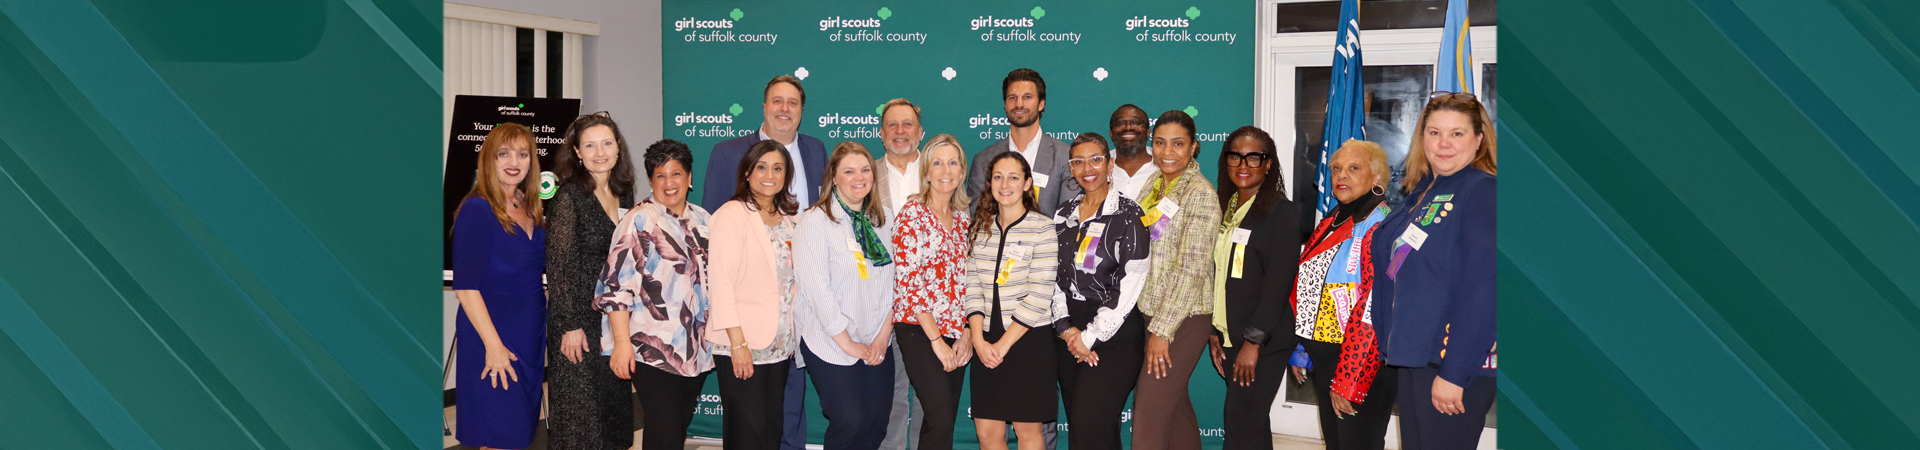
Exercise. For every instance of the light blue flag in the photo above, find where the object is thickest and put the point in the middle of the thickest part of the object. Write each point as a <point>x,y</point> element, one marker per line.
<point>1346,113</point>
<point>1455,70</point>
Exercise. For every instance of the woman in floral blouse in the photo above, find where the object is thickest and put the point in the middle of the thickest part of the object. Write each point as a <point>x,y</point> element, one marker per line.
<point>930,245</point>
<point>653,291</point>
<point>1103,267</point>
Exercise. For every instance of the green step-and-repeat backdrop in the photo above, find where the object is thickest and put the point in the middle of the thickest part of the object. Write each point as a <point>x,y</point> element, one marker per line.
<point>949,58</point>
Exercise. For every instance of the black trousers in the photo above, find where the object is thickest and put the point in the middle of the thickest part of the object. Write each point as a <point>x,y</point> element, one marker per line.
<point>1246,407</point>
<point>754,407</point>
<point>1365,430</point>
<point>668,401</point>
<point>1425,428</point>
<point>937,389</point>
<point>1096,395</point>
<point>856,400</point>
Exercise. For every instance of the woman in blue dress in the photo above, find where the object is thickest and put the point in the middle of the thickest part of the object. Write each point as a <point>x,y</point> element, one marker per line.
<point>499,251</point>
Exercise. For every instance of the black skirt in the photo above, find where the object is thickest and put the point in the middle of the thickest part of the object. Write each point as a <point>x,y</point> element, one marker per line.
<point>1022,388</point>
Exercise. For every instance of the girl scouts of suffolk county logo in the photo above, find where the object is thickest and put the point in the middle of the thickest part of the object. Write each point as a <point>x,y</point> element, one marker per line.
<point>720,30</point>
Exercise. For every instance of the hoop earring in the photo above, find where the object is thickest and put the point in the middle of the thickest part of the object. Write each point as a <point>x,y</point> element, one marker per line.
<point>1378,190</point>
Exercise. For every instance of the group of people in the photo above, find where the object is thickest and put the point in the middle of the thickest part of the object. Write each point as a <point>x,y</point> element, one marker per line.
<point>1040,271</point>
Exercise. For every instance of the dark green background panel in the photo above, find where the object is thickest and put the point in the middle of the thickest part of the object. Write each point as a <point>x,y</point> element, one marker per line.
<point>215,233</point>
<point>1708,224</point>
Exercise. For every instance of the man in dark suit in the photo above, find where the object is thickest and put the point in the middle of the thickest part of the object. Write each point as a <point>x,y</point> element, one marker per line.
<point>782,103</point>
<point>1025,97</point>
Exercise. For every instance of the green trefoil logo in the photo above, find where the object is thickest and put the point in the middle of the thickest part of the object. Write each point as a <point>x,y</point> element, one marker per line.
<point>885,13</point>
<point>735,109</point>
<point>736,14</point>
<point>1191,112</point>
<point>1038,12</point>
<point>1193,12</point>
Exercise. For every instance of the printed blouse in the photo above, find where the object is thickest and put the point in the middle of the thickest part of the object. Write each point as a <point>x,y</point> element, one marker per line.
<point>1103,267</point>
<point>657,271</point>
<point>932,258</point>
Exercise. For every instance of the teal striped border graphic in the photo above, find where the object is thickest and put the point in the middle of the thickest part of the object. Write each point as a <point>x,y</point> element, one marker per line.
<point>218,224</point>
<point>1708,224</point>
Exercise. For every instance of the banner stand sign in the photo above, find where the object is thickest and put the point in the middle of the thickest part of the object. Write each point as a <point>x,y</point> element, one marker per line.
<point>473,117</point>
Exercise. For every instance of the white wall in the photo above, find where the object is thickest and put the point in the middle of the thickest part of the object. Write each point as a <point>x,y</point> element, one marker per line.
<point>622,63</point>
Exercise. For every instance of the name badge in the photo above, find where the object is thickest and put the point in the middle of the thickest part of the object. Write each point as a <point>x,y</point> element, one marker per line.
<point>1241,235</point>
<point>859,257</point>
<point>1006,267</point>
<point>1414,236</point>
<point>1040,180</point>
<point>1091,240</point>
<point>1167,208</point>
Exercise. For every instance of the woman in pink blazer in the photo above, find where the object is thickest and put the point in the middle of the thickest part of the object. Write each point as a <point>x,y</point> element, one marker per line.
<point>751,287</point>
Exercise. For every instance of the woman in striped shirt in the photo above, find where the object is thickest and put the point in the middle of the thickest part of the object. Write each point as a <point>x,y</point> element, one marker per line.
<point>1009,291</point>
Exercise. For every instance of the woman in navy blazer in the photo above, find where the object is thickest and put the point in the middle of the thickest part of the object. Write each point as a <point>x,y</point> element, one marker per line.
<point>1434,277</point>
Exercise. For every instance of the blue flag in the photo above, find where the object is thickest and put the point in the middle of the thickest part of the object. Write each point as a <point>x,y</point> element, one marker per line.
<point>1455,69</point>
<point>1346,113</point>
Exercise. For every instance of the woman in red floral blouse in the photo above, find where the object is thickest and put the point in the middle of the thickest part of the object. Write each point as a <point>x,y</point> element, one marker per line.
<point>930,248</point>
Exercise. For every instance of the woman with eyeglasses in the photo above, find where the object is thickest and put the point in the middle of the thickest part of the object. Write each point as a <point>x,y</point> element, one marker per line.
<point>845,273</point>
<point>1103,267</point>
<point>931,249</point>
<point>1434,285</point>
<point>1182,219</point>
<point>1332,299</point>
<point>654,294</point>
<point>1254,253</point>
<point>589,409</point>
<point>499,250</point>
<point>751,324</point>
<point>1009,294</point>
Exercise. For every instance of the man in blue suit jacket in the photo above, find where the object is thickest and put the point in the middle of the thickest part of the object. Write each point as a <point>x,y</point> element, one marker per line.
<point>782,105</point>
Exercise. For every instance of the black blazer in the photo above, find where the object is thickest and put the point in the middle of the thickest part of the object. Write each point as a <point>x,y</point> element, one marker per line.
<point>718,185</point>
<point>1259,309</point>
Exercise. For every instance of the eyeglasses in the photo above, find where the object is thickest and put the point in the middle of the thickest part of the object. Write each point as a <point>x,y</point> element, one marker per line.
<point>1096,160</point>
<point>1250,159</point>
<point>1442,94</point>
<point>1129,122</point>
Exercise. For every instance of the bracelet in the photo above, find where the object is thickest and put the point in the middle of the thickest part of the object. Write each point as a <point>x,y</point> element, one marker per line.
<point>741,346</point>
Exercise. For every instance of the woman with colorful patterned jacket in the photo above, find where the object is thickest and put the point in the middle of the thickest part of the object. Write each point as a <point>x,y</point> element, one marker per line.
<point>1333,301</point>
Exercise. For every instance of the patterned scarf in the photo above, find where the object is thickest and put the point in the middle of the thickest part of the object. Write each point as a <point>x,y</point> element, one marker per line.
<point>863,231</point>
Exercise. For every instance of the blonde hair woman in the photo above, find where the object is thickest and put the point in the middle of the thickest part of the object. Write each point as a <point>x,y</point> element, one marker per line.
<point>930,246</point>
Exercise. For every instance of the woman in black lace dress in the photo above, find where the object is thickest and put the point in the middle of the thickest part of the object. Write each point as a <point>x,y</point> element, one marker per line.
<point>588,408</point>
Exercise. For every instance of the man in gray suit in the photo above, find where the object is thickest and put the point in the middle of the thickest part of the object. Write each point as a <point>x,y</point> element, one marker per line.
<point>1025,94</point>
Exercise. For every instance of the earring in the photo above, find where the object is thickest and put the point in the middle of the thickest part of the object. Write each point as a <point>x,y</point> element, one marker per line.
<point>1378,190</point>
